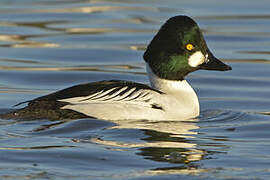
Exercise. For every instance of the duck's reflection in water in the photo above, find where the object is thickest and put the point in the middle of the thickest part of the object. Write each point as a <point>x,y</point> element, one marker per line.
<point>163,141</point>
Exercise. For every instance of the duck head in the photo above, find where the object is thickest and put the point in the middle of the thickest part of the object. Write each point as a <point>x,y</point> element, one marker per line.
<point>178,49</point>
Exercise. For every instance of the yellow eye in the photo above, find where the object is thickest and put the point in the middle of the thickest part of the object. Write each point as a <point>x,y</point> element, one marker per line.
<point>189,47</point>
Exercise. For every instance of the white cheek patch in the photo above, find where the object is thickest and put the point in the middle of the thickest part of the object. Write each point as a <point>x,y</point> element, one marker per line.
<point>196,59</point>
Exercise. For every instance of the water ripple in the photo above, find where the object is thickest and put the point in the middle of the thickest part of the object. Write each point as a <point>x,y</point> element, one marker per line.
<point>47,45</point>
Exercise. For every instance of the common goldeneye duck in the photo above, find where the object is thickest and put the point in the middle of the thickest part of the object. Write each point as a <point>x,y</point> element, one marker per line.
<point>176,50</point>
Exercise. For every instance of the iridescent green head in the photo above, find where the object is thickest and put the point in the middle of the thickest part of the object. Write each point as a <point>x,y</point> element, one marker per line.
<point>178,49</point>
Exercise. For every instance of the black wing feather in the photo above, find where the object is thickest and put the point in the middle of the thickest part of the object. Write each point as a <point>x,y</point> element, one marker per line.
<point>92,88</point>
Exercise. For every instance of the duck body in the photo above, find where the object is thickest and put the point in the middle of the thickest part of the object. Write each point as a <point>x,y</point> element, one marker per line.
<point>129,100</point>
<point>113,100</point>
<point>178,49</point>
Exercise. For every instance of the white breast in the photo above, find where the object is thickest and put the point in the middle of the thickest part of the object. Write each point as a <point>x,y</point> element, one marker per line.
<point>181,99</point>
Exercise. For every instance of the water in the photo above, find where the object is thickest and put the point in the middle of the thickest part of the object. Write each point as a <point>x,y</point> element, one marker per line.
<point>47,45</point>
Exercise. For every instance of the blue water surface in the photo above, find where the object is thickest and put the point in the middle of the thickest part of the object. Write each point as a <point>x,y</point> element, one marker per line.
<point>47,45</point>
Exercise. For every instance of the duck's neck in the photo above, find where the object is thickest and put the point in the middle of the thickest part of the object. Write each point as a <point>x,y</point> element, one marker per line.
<point>165,85</point>
<point>179,90</point>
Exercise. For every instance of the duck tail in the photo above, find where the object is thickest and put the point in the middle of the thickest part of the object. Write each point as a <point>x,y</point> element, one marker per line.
<point>15,114</point>
<point>43,110</point>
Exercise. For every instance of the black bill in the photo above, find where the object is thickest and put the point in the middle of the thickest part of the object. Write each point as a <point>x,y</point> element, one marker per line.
<point>212,63</point>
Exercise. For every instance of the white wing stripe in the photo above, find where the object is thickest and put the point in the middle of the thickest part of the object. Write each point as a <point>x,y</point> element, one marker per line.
<point>125,95</point>
<point>92,95</point>
<point>103,93</point>
<point>106,96</point>
<point>133,96</point>
<point>115,94</point>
